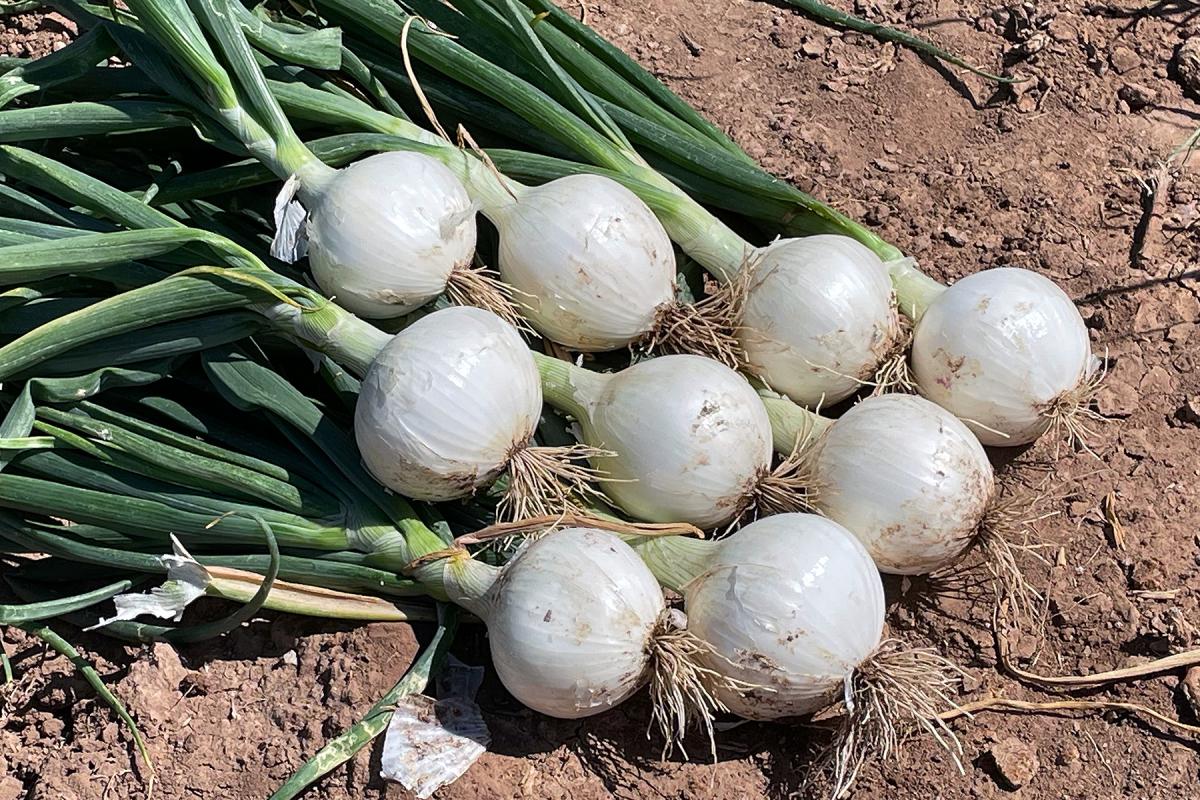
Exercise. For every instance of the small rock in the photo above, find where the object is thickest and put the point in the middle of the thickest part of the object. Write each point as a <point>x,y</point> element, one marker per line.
<point>1157,382</point>
<point>290,658</point>
<point>1137,96</point>
<point>1123,59</point>
<point>1135,444</point>
<point>11,788</point>
<point>1180,333</point>
<point>1015,761</point>
<point>952,236</point>
<point>1116,399</point>
<point>1067,756</point>
<point>1187,64</point>
<point>1189,412</point>
<point>1060,30</point>
<point>812,48</point>
<point>886,165</point>
<point>53,727</point>
<point>1191,689</point>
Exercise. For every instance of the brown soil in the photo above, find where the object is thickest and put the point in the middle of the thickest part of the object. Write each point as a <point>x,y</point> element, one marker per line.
<point>1052,175</point>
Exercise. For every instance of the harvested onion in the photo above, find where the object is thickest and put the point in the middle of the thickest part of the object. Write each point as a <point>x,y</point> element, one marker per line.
<point>387,233</point>
<point>449,404</point>
<point>689,437</point>
<point>793,609</point>
<point>577,624</point>
<point>1007,352</point>
<point>907,478</point>
<point>819,318</point>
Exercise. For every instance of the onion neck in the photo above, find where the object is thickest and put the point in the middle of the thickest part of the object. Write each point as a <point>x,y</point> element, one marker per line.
<point>675,561</point>
<point>331,330</point>
<point>791,423</point>
<point>914,289</point>
<point>571,389</point>
<point>466,581</point>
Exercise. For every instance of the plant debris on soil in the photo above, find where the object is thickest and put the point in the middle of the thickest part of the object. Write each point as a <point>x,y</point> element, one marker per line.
<point>1067,173</point>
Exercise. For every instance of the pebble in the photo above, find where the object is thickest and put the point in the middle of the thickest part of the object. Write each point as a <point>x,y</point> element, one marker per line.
<point>812,48</point>
<point>886,165</point>
<point>1116,398</point>
<point>1187,63</point>
<point>1135,444</point>
<point>1137,96</point>
<point>1016,762</point>
<point>1157,382</point>
<point>1123,59</point>
<point>1060,30</point>
<point>1189,412</point>
<point>11,788</point>
<point>953,237</point>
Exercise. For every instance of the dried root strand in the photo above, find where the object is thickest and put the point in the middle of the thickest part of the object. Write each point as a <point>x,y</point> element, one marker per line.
<point>682,688</point>
<point>527,525</point>
<point>898,690</point>
<point>789,487</point>
<point>550,481</point>
<point>1002,535</point>
<point>481,287</point>
<point>707,327</point>
<point>892,373</point>
<point>1071,414</point>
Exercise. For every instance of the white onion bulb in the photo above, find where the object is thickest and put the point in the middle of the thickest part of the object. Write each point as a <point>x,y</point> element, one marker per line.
<point>591,264</point>
<point>791,603</point>
<point>570,622</point>
<point>819,317</point>
<point>998,349</point>
<point>691,439</point>
<point>446,403</point>
<point>385,233</point>
<point>907,478</point>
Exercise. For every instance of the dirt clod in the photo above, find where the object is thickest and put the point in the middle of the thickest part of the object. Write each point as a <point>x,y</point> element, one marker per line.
<point>1137,96</point>
<point>1016,762</point>
<point>1124,59</point>
<point>1187,64</point>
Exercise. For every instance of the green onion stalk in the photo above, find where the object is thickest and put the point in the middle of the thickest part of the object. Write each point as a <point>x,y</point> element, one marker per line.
<point>355,224</point>
<point>1005,350</point>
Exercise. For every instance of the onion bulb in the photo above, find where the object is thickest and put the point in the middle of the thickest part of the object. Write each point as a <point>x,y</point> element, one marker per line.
<point>819,317</point>
<point>594,270</point>
<point>450,403</point>
<point>790,604</point>
<point>792,608</point>
<point>390,233</point>
<point>689,439</point>
<point>907,478</point>
<point>577,624</point>
<point>1006,351</point>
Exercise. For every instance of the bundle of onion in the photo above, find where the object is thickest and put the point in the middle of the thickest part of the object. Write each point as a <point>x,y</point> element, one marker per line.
<point>385,235</point>
<point>793,609</point>
<point>577,624</point>
<point>591,265</point>
<point>689,439</point>
<point>975,358</point>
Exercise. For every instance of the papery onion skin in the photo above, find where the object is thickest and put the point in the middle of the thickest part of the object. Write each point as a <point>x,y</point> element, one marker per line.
<point>445,403</point>
<point>791,604</point>
<point>570,620</point>
<point>387,231</point>
<point>907,478</point>
<point>590,263</point>
<point>690,435</point>
<point>819,317</point>
<point>997,348</point>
